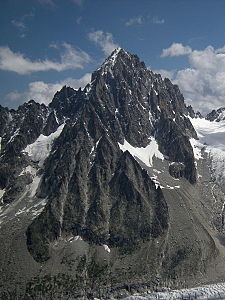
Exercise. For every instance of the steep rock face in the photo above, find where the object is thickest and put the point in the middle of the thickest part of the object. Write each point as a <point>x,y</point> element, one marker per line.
<point>4,119</point>
<point>92,189</point>
<point>21,128</point>
<point>139,211</point>
<point>66,103</point>
<point>136,103</point>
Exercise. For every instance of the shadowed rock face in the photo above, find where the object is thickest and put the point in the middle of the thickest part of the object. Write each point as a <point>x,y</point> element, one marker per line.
<point>103,195</point>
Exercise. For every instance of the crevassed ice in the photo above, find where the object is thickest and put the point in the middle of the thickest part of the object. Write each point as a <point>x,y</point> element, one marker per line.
<point>144,154</point>
<point>40,149</point>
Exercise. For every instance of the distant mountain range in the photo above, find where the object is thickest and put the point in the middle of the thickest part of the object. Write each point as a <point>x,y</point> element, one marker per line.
<point>110,190</point>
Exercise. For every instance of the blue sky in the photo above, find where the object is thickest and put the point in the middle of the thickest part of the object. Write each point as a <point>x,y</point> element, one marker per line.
<point>45,44</point>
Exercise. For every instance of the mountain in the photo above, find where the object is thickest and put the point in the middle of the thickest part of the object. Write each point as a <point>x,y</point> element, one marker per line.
<point>108,190</point>
<point>216,115</point>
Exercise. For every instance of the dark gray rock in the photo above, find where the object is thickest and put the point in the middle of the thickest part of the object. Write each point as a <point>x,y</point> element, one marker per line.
<point>216,115</point>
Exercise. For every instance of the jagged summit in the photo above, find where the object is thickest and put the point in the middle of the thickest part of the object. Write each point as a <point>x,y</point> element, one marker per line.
<point>116,55</point>
<point>216,115</point>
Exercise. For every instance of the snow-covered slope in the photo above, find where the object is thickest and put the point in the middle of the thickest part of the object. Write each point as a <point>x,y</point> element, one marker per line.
<point>145,154</point>
<point>40,149</point>
<point>211,140</point>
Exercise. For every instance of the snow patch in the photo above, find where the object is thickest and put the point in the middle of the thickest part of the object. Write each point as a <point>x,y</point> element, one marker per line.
<point>56,118</point>
<point>106,247</point>
<point>197,146</point>
<point>78,238</point>
<point>28,169</point>
<point>144,154</point>
<point>154,178</point>
<point>75,238</point>
<point>2,192</point>
<point>40,149</point>
<point>34,210</point>
<point>20,211</point>
<point>157,171</point>
<point>94,147</point>
<point>172,187</point>
<point>144,108</point>
<point>14,134</point>
<point>34,185</point>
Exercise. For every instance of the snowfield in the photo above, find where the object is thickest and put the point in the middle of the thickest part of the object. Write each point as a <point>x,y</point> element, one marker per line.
<point>212,141</point>
<point>144,154</point>
<point>40,149</point>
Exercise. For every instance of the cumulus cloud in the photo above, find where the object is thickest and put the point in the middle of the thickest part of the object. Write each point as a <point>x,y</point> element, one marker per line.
<point>157,20</point>
<point>104,40</point>
<point>70,58</point>
<point>176,49</point>
<point>203,82</point>
<point>138,20</point>
<point>43,92</point>
<point>165,73</point>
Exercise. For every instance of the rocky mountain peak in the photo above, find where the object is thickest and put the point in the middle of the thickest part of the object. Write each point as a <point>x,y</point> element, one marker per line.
<point>216,115</point>
<point>120,65</point>
<point>104,165</point>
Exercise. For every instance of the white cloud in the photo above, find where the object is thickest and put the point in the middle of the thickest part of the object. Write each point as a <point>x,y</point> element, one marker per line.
<point>135,21</point>
<point>157,20</point>
<point>176,49</point>
<point>43,92</point>
<point>71,58</point>
<point>104,40</point>
<point>165,73</point>
<point>19,24</point>
<point>203,83</point>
